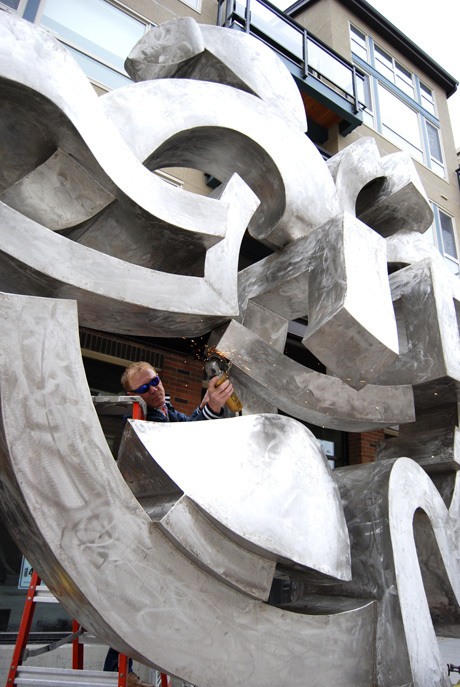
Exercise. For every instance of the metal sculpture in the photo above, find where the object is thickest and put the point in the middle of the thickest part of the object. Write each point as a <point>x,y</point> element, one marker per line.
<point>83,218</point>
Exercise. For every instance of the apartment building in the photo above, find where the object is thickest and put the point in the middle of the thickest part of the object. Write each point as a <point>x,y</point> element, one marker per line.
<point>358,76</point>
<point>405,95</point>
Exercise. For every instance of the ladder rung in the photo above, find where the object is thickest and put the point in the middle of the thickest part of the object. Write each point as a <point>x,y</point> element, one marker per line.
<point>88,638</point>
<point>43,595</point>
<point>65,677</point>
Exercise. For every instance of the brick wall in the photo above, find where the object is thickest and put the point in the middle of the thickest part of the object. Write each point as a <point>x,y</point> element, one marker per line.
<point>182,378</point>
<point>362,447</point>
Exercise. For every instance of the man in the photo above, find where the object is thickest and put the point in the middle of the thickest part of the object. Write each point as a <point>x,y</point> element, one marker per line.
<point>141,379</point>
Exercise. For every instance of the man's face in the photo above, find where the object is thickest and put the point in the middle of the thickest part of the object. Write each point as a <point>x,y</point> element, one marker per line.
<point>155,395</point>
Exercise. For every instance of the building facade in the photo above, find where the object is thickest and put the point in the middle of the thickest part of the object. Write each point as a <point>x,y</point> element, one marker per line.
<point>405,95</point>
<point>358,75</point>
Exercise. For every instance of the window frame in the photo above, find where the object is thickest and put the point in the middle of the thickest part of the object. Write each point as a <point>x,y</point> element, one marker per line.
<point>86,54</point>
<point>435,236</point>
<point>417,152</point>
<point>18,10</point>
<point>423,86</point>
<point>355,30</point>
<point>193,4</point>
<point>377,79</point>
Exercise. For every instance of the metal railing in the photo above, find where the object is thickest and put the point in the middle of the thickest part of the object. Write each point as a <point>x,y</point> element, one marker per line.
<point>313,57</point>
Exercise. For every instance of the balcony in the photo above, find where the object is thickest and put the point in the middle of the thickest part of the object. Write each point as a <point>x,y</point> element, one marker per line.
<point>331,87</point>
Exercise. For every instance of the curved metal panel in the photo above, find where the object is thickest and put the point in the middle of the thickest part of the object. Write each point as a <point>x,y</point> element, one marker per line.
<point>93,535</point>
<point>269,486</point>
<point>308,395</point>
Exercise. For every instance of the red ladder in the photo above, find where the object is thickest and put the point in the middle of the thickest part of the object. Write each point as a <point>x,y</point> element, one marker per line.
<point>33,596</point>
<point>20,652</point>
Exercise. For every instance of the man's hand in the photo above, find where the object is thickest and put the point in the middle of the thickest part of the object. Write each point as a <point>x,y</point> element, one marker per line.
<point>217,396</point>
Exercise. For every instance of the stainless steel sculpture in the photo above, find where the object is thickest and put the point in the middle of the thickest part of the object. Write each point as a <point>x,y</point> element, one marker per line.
<point>93,535</point>
<point>83,218</point>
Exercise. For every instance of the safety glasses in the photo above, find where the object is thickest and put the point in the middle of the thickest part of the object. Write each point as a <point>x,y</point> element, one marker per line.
<point>145,387</point>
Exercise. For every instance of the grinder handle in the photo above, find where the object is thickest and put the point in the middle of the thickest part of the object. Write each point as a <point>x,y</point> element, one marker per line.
<point>233,403</point>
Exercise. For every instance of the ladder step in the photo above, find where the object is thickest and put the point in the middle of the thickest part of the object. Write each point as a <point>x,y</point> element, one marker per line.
<point>65,677</point>
<point>88,638</point>
<point>43,595</point>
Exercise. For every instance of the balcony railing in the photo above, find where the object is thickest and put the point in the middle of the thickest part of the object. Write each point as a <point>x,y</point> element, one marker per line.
<point>293,42</point>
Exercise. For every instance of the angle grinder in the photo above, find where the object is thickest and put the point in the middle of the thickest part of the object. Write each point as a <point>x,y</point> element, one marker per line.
<point>216,365</point>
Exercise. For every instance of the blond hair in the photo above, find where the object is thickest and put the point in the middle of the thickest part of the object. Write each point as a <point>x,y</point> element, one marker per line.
<point>133,369</point>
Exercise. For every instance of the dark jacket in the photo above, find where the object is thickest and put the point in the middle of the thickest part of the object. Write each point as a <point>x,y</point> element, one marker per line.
<point>174,415</point>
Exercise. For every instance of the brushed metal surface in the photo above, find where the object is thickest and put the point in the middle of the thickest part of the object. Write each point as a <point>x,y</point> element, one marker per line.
<point>102,557</point>
<point>397,201</point>
<point>183,49</point>
<point>268,460</point>
<point>308,395</point>
<point>381,501</point>
<point>223,506</point>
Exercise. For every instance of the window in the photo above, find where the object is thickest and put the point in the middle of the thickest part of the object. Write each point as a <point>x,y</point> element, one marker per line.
<point>442,235</point>
<point>18,6</point>
<point>434,147</point>
<point>14,581</point>
<point>393,71</point>
<point>358,43</point>
<point>399,123</point>
<point>398,104</point>
<point>448,236</point>
<point>426,98</point>
<point>403,79</point>
<point>12,4</point>
<point>384,63</point>
<point>194,4</point>
<point>365,96</point>
<point>98,34</point>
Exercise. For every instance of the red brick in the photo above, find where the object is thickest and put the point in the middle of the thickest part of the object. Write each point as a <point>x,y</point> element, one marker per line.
<point>362,447</point>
